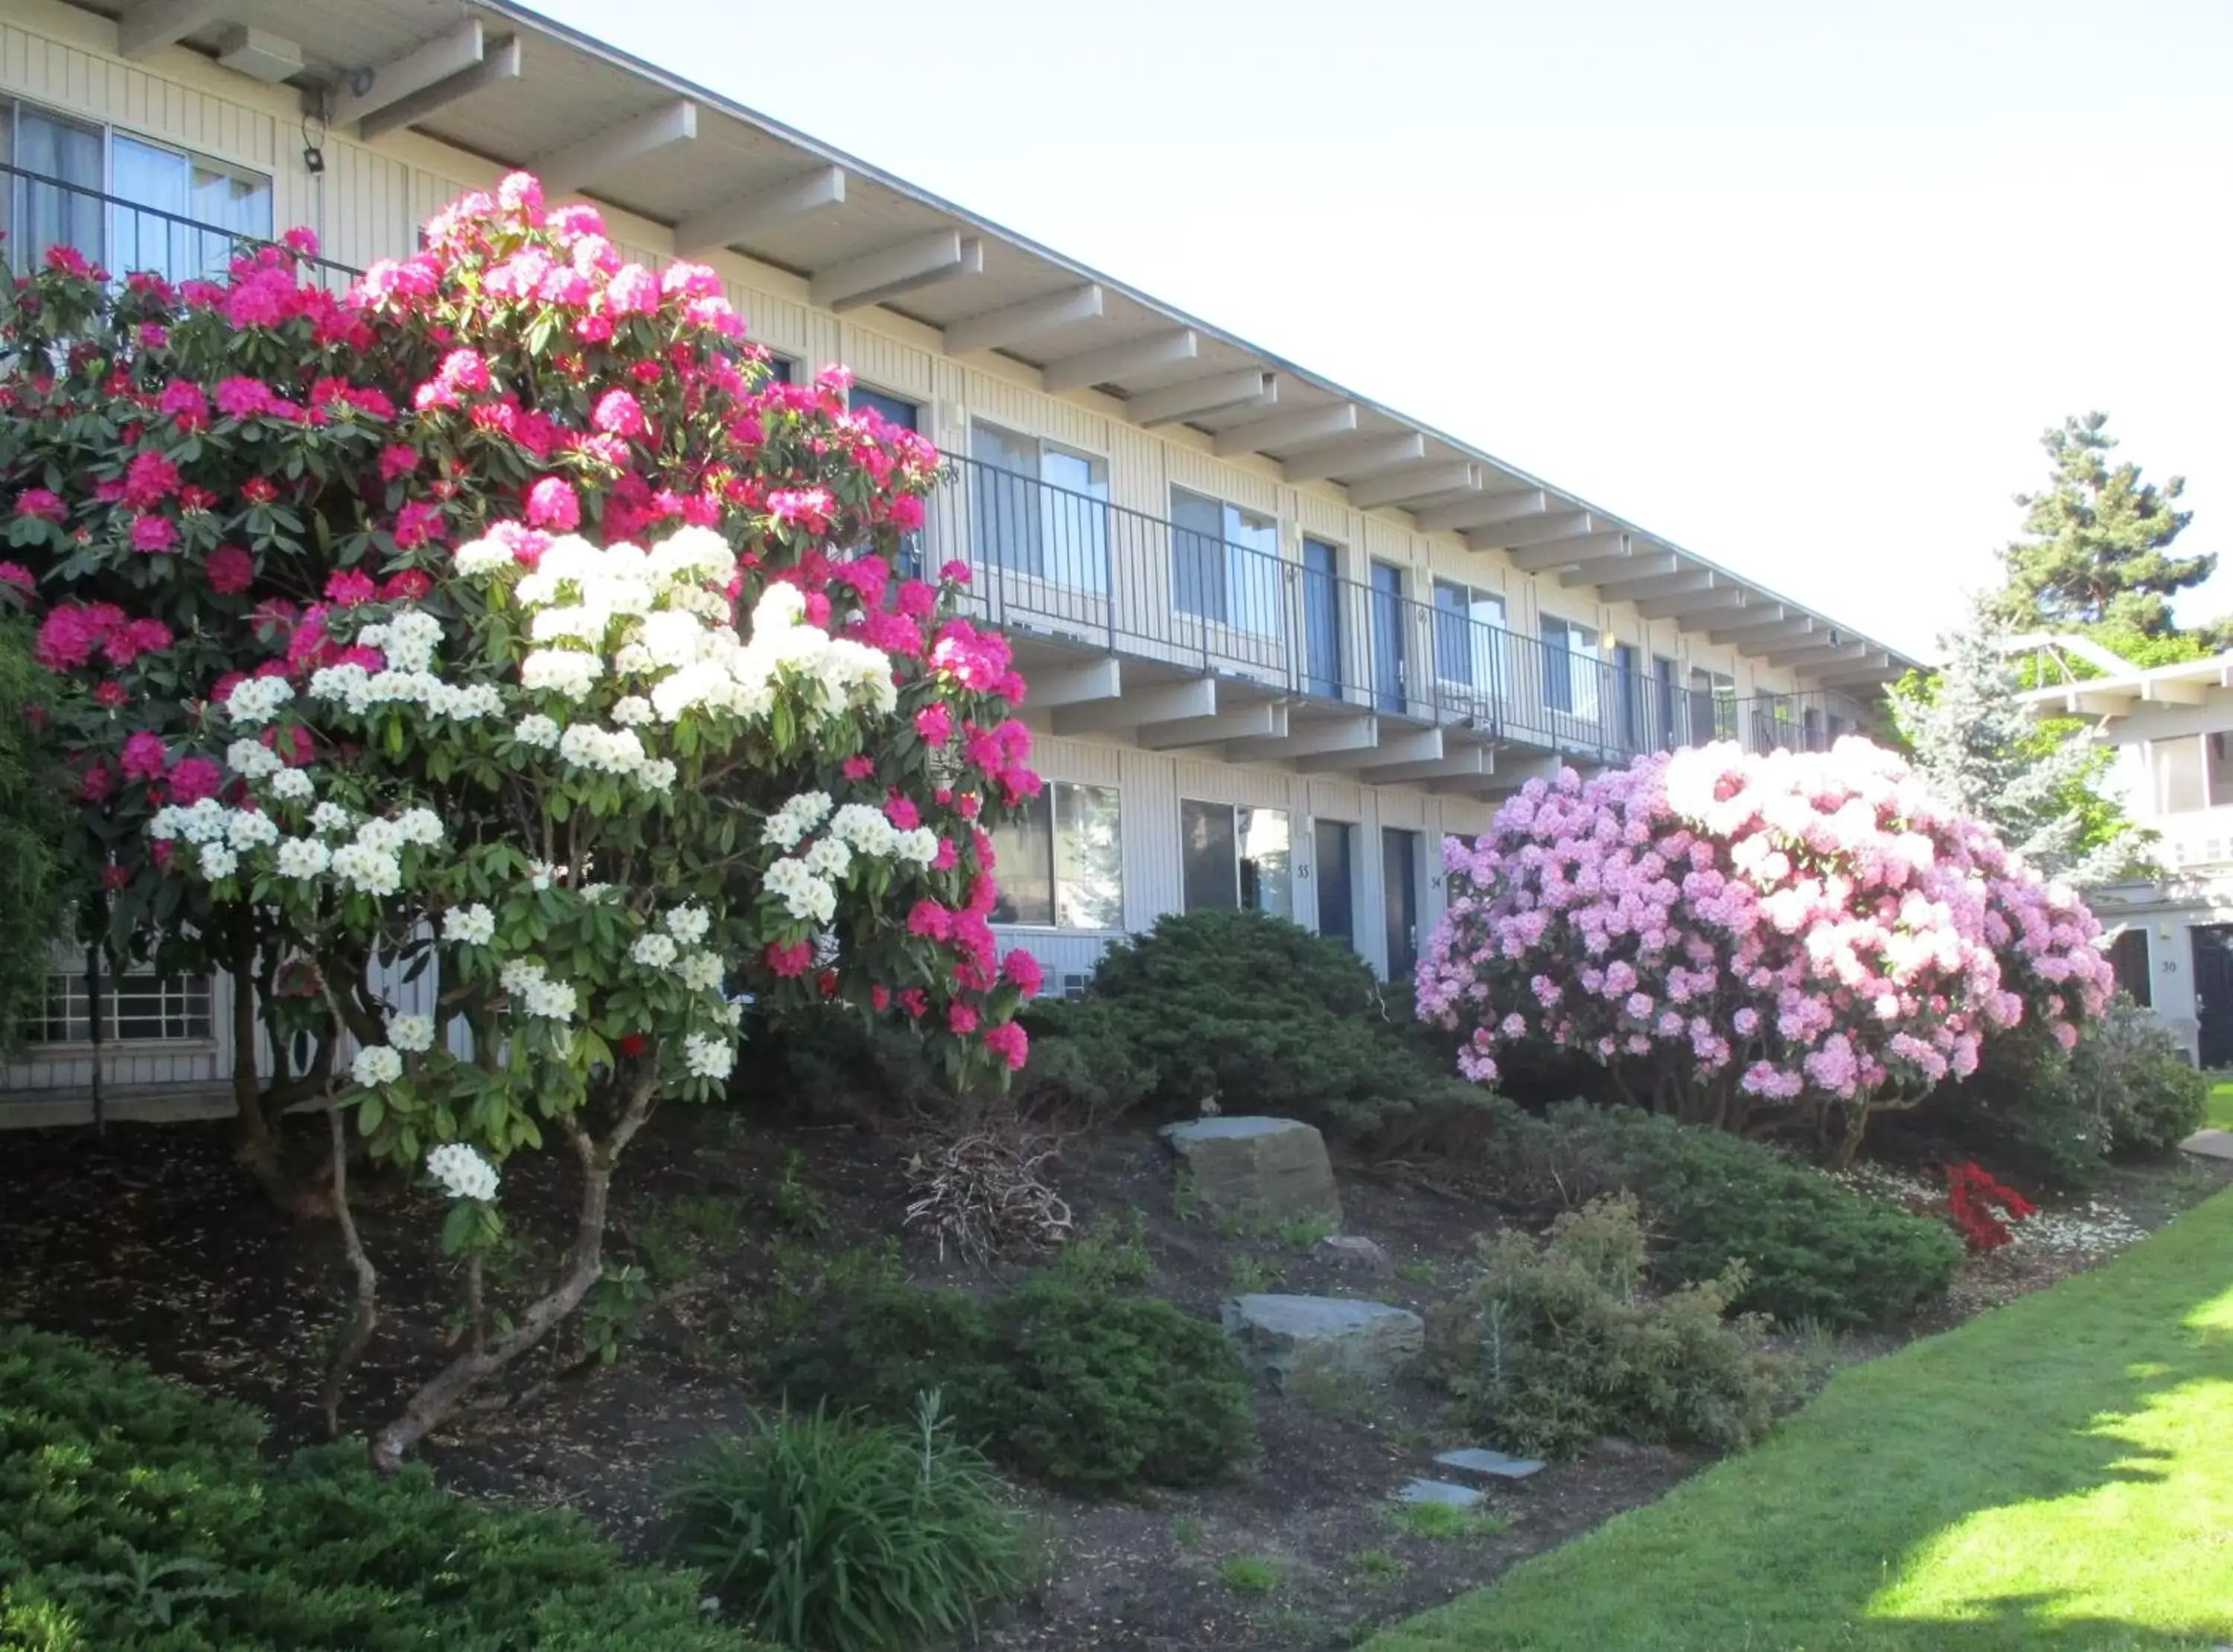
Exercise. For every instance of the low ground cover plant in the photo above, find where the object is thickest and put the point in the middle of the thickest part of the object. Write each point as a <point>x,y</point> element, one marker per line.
<point>1086,1389</point>
<point>1811,1249</point>
<point>1555,1343</point>
<point>142,1518</point>
<point>829,1533</point>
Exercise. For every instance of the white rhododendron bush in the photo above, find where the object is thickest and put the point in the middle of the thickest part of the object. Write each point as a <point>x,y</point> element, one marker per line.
<point>1755,940</point>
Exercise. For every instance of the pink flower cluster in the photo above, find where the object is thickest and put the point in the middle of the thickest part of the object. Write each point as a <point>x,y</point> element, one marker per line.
<point>1796,923</point>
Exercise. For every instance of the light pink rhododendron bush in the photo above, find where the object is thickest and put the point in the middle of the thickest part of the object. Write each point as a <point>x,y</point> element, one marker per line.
<point>516,630</point>
<point>1754,940</point>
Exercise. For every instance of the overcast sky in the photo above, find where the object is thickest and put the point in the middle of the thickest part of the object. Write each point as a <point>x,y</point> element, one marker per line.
<point>1797,285</point>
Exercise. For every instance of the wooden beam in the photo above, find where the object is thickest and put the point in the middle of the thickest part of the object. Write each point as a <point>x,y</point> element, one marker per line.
<point>1190,397</point>
<point>1607,574</point>
<point>1097,680</point>
<point>1635,589</point>
<point>737,221</point>
<point>1689,602</point>
<point>1153,703</point>
<point>1755,619</point>
<point>1365,457</point>
<point>1819,649</point>
<point>147,28</point>
<point>366,92</point>
<point>1419,745</point>
<point>1466,761</point>
<point>502,64</point>
<point>1569,552</point>
<point>903,267</point>
<point>1529,530</point>
<point>1420,482</point>
<point>603,153</point>
<point>1013,323</point>
<point>1263,719</point>
<point>1117,362</point>
<point>1484,511</point>
<point>1295,429</point>
<point>1329,734</point>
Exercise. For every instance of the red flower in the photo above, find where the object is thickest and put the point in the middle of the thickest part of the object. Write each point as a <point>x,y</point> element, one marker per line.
<point>194,779</point>
<point>961,1018</point>
<point>1010,1042</point>
<point>1023,972</point>
<point>228,569</point>
<point>1971,1197</point>
<point>860,768</point>
<point>112,695</point>
<point>618,413</point>
<point>258,491</point>
<point>416,524</point>
<point>149,479</point>
<point>631,1044</point>
<point>145,757</point>
<point>17,574</point>
<point>40,503</point>
<point>791,960</point>
<point>397,461</point>
<point>349,587</point>
<point>153,536</point>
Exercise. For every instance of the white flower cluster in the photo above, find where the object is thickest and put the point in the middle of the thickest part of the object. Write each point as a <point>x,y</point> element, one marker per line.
<point>256,700</point>
<point>529,984</point>
<point>798,817</point>
<point>376,1064</point>
<point>252,760</point>
<point>413,1034</point>
<point>688,924</point>
<point>566,672</point>
<point>655,951</point>
<point>462,1172</point>
<point>537,729</point>
<point>707,1057</point>
<point>806,897</point>
<point>370,863</point>
<point>360,690</point>
<point>304,857</point>
<point>618,752</point>
<point>472,926</point>
<point>664,949</point>
<point>709,667</point>
<point>293,786</point>
<point>408,639</point>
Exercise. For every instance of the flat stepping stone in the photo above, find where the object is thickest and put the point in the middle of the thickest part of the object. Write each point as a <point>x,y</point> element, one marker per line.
<point>1287,1336</point>
<point>2209,1144</point>
<point>1474,1459</point>
<point>1262,1169</point>
<point>1351,1251</point>
<point>1439,1491</point>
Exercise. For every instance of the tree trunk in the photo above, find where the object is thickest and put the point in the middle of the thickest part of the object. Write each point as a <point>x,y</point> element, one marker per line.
<point>441,1394</point>
<point>364,1310</point>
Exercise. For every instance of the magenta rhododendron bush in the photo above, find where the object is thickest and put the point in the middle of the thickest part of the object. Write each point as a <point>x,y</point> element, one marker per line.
<point>500,621</point>
<point>1809,932</point>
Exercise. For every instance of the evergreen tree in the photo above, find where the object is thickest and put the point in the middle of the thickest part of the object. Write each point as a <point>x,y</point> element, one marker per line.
<point>35,879</point>
<point>2098,551</point>
<point>1984,752</point>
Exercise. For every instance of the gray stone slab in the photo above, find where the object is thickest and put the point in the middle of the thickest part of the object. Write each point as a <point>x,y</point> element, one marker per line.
<point>1474,1460</point>
<point>2210,1144</point>
<point>1352,1251</point>
<point>1261,1169</point>
<point>1284,1336</point>
<point>1439,1491</point>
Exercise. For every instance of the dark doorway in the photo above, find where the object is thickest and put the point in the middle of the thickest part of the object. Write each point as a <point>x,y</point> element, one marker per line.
<point>1399,873</point>
<point>2213,993</point>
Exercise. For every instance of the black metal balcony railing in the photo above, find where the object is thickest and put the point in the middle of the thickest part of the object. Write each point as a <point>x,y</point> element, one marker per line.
<point>126,237</point>
<point>1054,563</point>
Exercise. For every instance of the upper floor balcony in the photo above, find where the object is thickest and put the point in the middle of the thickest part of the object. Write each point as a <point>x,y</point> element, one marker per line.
<point>1211,640</point>
<point>1192,632</point>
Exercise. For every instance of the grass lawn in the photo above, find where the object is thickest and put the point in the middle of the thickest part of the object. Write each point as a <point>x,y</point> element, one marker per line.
<point>2058,1474</point>
<point>2221,1106</point>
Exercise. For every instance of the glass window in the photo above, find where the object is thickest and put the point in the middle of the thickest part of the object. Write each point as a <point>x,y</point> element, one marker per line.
<point>1570,667</point>
<point>781,369</point>
<point>1224,562</point>
<point>178,186</point>
<point>59,205</point>
<point>1713,706</point>
<point>2218,767</point>
<point>1061,861</point>
<point>1468,625</point>
<point>891,409</point>
<point>1236,857</point>
<point>1041,510</point>
<point>141,1008</point>
<point>1335,869</point>
<point>2128,955</point>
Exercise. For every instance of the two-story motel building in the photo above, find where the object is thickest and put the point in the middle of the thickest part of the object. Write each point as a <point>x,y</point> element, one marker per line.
<point>1280,638</point>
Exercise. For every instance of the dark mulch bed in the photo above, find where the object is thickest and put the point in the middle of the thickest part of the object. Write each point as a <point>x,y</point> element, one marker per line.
<point>151,1241</point>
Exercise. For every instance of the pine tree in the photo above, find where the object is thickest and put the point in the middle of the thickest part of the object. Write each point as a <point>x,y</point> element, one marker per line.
<point>1982,750</point>
<point>2098,552</point>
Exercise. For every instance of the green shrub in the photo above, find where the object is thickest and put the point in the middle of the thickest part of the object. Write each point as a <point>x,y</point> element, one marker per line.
<point>1811,1248</point>
<point>2052,1119</point>
<point>1554,1343</point>
<point>1258,1014</point>
<point>36,880</point>
<point>1089,1390</point>
<point>140,1518</point>
<point>828,1534</point>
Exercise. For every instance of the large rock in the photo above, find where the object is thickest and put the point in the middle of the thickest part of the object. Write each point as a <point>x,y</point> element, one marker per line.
<point>1285,1337</point>
<point>1272,1170</point>
<point>2210,1144</point>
